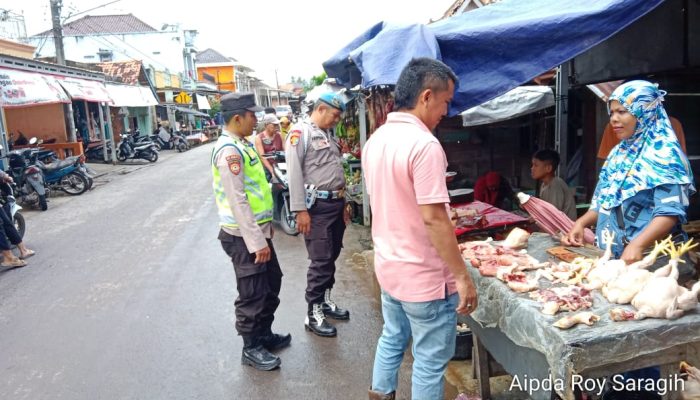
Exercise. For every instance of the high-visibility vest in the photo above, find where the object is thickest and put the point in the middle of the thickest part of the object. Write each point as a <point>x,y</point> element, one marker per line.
<point>257,189</point>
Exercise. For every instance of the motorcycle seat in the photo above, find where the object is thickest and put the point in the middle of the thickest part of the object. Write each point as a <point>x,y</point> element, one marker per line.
<point>58,165</point>
<point>143,146</point>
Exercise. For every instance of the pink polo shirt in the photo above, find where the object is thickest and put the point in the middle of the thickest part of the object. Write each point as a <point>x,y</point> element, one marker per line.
<point>404,167</point>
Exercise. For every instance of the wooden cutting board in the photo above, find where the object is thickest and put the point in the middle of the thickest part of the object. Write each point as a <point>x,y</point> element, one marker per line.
<point>563,254</point>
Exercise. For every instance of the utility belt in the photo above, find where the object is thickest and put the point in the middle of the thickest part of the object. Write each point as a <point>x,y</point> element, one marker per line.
<point>312,194</point>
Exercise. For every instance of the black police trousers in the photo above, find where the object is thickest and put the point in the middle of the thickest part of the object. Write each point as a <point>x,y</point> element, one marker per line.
<point>323,244</point>
<point>258,287</point>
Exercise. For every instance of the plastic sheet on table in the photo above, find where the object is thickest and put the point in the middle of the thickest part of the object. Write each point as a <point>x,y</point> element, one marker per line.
<point>580,347</point>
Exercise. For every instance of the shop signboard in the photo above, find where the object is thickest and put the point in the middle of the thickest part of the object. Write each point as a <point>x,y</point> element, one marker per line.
<point>20,89</point>
<point>83,89</point>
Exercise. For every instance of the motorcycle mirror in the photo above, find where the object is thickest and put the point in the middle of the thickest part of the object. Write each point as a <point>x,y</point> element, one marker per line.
<point>33,140</point>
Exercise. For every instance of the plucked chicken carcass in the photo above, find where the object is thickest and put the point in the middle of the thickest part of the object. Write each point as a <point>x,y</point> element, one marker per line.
<point>585,317</point>
<point>625,286</point>
<point>516,239</point>
<point>691,391</point>
<point>662,296</point>
<point>605,269</point>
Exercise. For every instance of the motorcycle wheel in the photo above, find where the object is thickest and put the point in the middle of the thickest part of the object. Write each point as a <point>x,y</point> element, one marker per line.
<point>121,156</point>
<point>181,147</point>
<point>74,184</point>
<point>43,205</point>
<point>152,156</point>
<point>287,221</point>
<point>19,224</point>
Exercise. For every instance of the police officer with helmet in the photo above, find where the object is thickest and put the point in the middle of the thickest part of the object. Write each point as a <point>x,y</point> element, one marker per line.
<point>317,196</point>
<point>244,202</point>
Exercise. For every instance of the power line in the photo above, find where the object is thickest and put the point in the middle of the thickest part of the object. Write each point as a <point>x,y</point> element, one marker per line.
<point>91,9</point>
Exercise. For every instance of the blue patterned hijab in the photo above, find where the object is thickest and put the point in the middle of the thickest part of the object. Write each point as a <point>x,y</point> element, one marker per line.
<point>650,157</point>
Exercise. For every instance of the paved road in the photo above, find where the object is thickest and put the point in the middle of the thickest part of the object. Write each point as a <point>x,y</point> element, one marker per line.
<point>130,296</point>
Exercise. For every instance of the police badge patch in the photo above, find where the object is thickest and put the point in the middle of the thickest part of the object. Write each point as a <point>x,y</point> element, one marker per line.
<point>234,163</point>
<point>294,138</point>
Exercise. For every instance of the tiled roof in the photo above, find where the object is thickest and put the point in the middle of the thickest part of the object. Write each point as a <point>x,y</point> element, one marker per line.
<point>212,56</point>
<point>470,5</point>
<point>101,24</point>
<point>128,72</point>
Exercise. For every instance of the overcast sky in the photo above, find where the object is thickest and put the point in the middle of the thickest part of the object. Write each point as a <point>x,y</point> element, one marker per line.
<point>294,37</point>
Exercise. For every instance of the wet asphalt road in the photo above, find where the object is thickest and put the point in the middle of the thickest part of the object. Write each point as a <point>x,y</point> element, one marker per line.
<point>130,296</point>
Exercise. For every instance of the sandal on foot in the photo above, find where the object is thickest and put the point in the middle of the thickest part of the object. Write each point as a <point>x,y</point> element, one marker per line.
<point>13,263</point>
<point>27,255</point>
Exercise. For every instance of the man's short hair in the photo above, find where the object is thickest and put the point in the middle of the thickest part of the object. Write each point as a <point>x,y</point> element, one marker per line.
<point>228,115</point>
<point>419,75</point>
<point>550,156</point>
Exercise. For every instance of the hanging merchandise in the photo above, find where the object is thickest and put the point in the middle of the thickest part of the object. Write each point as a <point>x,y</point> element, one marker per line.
<point>380,102</point>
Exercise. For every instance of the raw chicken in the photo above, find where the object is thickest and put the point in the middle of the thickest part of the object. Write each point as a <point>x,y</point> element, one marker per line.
<point>605,269</point>
<point>570,273</point>
<point>569,298</point>
<point>625,286</point>
<point>620,314</point>
<point>517,281</point>
<point>517,239</point>
<point>585,317</point>
<point>691,391</point>
<point>662,296</point>
<point>488,259</point>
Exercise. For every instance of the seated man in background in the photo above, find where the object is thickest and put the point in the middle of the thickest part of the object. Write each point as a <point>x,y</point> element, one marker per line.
<point>496,191</point>
<point>553,189</point>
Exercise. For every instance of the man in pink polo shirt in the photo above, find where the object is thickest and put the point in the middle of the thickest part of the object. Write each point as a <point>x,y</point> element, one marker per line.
<point>418,265</point>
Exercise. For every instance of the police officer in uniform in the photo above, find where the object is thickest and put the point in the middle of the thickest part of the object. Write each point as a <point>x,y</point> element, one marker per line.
<point>244,202</point>
<point>317,196</point>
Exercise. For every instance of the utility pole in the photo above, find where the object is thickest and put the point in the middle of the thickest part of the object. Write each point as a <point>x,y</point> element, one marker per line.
<point>279,102</point>
<point>57,31</point>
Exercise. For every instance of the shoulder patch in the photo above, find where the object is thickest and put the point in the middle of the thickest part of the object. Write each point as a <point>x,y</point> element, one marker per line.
<point>234,163</point>
<point>294,137</point>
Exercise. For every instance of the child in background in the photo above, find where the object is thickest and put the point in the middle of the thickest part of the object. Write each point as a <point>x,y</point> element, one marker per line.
<point>553,189</point>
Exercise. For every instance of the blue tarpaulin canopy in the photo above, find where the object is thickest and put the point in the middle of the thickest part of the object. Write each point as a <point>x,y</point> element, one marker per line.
<point>492,49</point>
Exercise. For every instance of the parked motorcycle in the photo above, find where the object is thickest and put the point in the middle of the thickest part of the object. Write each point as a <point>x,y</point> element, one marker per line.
<point>280,194</point>
<point>29,179</point>
<point>7,199</point>
<point>169,141</point>
<point>95,151</point>
<point>67,175</point>
<point>128,149</point>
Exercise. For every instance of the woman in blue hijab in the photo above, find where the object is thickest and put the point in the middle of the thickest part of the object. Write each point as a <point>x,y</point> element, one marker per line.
<point>643,188</point>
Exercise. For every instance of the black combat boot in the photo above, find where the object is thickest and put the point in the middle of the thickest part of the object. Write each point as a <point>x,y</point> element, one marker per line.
<point>331,310</point>
<point>255,355</point>
<point>316,321</point>
<point>273,341</point>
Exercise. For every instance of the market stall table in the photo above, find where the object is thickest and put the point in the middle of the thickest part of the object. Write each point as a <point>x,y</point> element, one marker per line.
<point>510,328</point>
<point>495,219</point>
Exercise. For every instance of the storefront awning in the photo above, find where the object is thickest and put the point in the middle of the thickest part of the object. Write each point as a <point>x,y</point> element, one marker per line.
<point>83,89</point>
<point>519,101</point>
<point>130,96</point>
<point>203,102</point>
<point>19,88</point>
<point>189,111</point>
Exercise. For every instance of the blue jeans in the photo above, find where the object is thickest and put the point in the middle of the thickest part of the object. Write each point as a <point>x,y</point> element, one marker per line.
<point>432,324</point>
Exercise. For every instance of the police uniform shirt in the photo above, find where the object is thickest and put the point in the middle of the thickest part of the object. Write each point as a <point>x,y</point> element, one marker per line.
<point>253,234</point>
<point>317,163</point>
